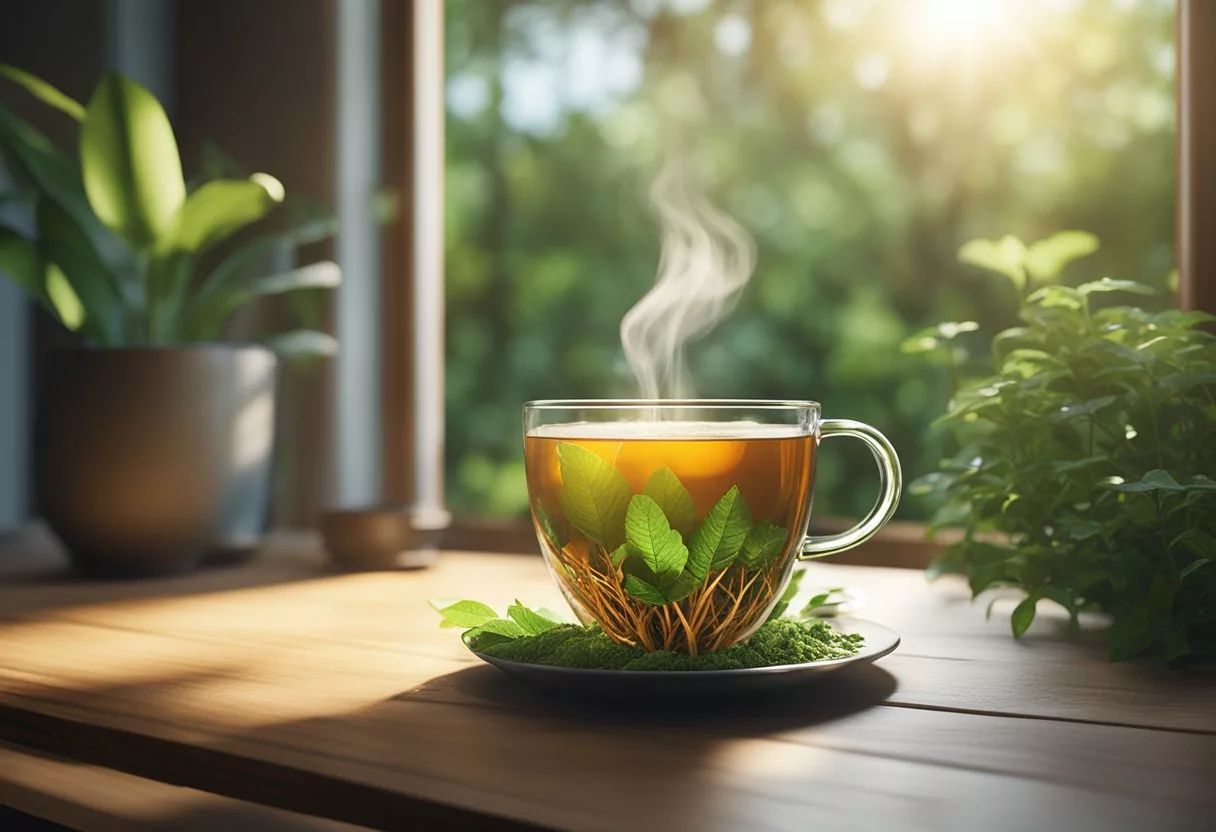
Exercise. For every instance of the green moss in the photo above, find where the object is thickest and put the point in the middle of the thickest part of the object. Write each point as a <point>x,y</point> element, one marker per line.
<point>776,643</point>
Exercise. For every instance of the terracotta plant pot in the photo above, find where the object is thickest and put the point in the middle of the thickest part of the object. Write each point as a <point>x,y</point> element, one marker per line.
<point>147,460</point>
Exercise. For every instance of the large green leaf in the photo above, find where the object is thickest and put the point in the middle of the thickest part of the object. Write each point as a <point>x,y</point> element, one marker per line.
<point>67,246</point>
<point>129,160</point>
<point>665,488</point>
<point>44,172</point>
<point>43,91</point>
<point>651,537</point>
<point>594,495</point>
<point>1004,256</point>
<point>723,531</point>
<point>217,210</point>
<point>1045,259</point>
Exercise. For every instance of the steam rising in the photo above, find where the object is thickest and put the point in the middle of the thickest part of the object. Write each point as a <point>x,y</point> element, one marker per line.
<point>706,260</point>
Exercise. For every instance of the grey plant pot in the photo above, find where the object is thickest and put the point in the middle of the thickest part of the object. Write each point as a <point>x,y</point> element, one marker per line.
<point>148,460</point>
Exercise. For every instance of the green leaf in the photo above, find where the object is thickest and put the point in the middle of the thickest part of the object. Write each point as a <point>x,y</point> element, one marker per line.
<point>1004,256</point>
<point>63,298</point>
<point>258,254</point>
<point>545,521</point>
<point>650,536</point>
<point>1023,615</point>
<point>1155,480</point>
<point>765,541</point>
<point>19,260</point>
<point>644,591</point>
<point>504,627</point>
<point>665,488</point>
<point>1191,567</point>
<point>555,617</point>
<point>1068,412</point>
<point>532,623</point>
<point>791,591</point>
<point>723,531</point>
<point>43,91</point>
<point>1045,259</point>
<point>302,343</point>
<point>594,495</point>
<point>1108,285</point>
<point>129,159</point>
<point>80,267</point>
<point>464,613</point>
<point>217,210</point>
<point>1062,297</point>
<point>207,315</point>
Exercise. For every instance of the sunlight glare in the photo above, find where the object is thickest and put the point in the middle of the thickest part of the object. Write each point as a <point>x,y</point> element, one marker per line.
<point>956,20</point>
<point>964,35</point>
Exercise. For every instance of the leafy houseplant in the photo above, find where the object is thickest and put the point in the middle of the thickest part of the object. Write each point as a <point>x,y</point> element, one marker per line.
<point>117,258</point>
<point>1087,456</point>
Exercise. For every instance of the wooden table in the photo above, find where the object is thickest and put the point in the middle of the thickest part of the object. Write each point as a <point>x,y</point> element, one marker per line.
<point>337,696</point>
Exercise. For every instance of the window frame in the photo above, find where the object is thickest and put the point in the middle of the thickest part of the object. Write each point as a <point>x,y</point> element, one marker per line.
<point>900,544</point>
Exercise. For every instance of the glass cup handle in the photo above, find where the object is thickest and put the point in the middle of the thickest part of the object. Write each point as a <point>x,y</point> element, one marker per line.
<point>890,479</point>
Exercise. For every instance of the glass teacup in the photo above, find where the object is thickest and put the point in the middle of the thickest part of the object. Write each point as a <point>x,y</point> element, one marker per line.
<point>675,524</point>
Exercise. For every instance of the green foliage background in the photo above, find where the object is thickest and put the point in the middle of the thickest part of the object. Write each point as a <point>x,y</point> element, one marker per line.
<point>859,159</point>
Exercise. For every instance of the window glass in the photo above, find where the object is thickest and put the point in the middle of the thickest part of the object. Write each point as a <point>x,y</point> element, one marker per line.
<point>860,142</point>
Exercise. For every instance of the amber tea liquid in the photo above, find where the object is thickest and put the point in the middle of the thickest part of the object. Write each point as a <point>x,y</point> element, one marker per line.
<point>771,465</point>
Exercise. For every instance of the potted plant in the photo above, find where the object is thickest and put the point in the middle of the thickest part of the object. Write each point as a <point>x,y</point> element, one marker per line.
<point>153,434</point>
<point>1085,474</point>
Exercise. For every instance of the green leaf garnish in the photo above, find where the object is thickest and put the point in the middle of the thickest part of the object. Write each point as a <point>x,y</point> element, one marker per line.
<point>594,495</point>
<point>464,613</point>
<point>530,621</point>
<point>720,536</point>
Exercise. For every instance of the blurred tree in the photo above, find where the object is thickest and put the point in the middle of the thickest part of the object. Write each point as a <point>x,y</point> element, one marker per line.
<point>860,141</point>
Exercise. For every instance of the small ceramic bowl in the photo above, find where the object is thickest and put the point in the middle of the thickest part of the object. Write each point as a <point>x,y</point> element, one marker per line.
<point>384,537</point>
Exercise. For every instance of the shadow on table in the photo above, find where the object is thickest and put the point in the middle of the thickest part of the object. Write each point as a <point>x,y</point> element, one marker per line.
<point>35,568</point>
<point>820,699</point>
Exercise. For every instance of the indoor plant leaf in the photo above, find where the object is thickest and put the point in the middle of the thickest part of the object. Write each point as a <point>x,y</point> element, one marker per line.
<point>207,315</point>
<point>594,495</point>
<point>129,160</point>
<point>19,260</point>
<point>650,537</point>
<point>66,245</point>
<point>63,298</point>
<point>48,174</point>
<point>217,210</point>
<point>44,92</point>
<point>722,532</point>
<point>665,488</point>
<point>302,343</point>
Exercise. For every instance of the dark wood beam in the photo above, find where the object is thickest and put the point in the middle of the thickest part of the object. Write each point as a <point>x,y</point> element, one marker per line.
<point>1196,157</point>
